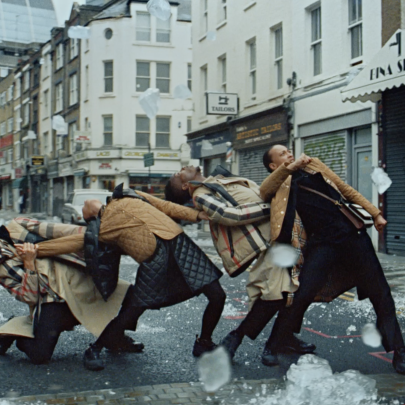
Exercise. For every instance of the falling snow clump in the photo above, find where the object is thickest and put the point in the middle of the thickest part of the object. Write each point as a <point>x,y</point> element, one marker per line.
<point>150,102</point>
<point>281,255</point>
<point>370,335</point>
<point>159,8</point>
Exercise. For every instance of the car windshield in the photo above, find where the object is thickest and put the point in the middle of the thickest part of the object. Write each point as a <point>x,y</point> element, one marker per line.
<point>79,199</point>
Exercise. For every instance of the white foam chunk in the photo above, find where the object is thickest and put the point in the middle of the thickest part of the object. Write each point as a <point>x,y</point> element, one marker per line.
<point>59,125</point>
<point>181,91</point>
<point>214,369</point>
<point>281,255</point>
<point>211,36</point>
<point>350,329</point>
<point>159,8</point>
<point>370,335</point>
<point>79,32</point>
<point>150,102</point>
<point>381,180</point>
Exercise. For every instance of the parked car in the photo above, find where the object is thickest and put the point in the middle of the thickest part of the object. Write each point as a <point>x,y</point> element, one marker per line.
<point>72,210</point>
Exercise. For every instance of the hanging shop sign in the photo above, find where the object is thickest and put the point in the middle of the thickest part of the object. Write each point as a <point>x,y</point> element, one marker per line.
<point>222,103</point>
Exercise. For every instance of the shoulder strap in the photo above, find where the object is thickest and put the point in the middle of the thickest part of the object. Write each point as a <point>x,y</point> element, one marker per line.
<point>321,194</point>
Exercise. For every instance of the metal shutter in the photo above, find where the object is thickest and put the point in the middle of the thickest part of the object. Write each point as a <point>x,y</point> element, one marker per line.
<point>251,164</point>
<point>394,130</point>
<point>331,149</point>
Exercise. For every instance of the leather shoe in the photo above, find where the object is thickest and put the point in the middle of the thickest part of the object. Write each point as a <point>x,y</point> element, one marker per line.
<point>398,361</point>
<point>92,360</point>
<point>202,346</point>
<point>295,345</point>
<point>126,345</point>
<point>5,343</point>
<point>231,342</point>
<point>269,357</point>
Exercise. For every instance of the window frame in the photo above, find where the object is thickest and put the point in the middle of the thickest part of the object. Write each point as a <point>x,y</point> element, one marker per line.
<point>138,29</point>
<point>74,48</point>
<point>142,77</point>
<point>141,132</point>
<point>189,76</point>
<point>223,73</point>
<point>252,67</point>
<point>278,56</point>
<point>73,90</point>
<point>316,40</point>
<point>59,56</point>
<point>106,132</point>
<point>167,145</point>
<point>59,97</point>
<point>108,79</point>
<point>355,27</point>
<point>163,78</point>
<point>163,31</point>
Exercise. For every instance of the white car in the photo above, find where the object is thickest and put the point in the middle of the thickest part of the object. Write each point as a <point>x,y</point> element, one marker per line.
<point>72,210</point>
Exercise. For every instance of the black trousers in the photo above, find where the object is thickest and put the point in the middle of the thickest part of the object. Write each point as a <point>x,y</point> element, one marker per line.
<point>127,318</point>
<point>54,319</point>
<point>356,255</point>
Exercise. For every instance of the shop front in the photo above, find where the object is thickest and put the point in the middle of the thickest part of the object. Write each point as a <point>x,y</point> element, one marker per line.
<point>155,184</point>
<point>383,81</point>
<point>210,147</point>
<point>252,136</point>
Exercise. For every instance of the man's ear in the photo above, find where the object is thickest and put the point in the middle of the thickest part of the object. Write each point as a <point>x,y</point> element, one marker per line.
<point>185,186</point>
<point>273,166</point>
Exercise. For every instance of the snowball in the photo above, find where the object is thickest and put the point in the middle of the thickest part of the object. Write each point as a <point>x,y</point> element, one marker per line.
<point>159,8</point>
<point>381,180</point>
<point>79,32</point>
<point>181,91</point>
<point>59,125</point>
<point>211,36</point>
<point>370,335</point>
<point>281,255</point>
<point>150,102</point>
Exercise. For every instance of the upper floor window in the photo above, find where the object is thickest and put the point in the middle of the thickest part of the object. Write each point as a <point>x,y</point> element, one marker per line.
<point>45,99</point>
<point>3,128</point>
<point>316,40</point>
<point>108,76</point>
<point>252,66</point>
<point>18,88</point>
<point>189,76</point>
<point>74,47</point>
<point>59,97</point>
<point>223,11</point>
<point>143,28</point>
<point>73,90</point>
<point>26,113</point>
<point>59,56</point>
<point>356,27</point>
<point>163,77</point>
<point>204,16</point>
<point>278,56</point>
<point>142,76</point>
<point>162,132</point>
<point>10,92</point>
<point>108,130</point>
<point>163,30</point>
<point>222,70</point>
<point>10,125</point>
<point>45,66</point>
<point>142,131</point>
<point>153,72</point>
<point>26,80</point>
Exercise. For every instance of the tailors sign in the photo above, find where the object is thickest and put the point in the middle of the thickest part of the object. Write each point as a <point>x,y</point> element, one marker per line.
<point>222,103</point>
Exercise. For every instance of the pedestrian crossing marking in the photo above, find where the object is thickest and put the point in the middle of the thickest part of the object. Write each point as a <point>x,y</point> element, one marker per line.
<point>348,296</point>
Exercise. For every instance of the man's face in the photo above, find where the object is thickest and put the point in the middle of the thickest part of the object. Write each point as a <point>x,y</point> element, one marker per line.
<point>280,154</point>
<point>186,174</point>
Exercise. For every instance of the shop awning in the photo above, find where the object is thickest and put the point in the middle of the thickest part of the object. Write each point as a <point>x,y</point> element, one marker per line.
<point>385,71</point>
<point>19,183</point>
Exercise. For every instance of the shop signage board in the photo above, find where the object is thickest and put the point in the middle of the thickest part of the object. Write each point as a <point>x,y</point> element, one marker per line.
<point>37,161</point>
<point>222,104</point>
<point>148,159</point>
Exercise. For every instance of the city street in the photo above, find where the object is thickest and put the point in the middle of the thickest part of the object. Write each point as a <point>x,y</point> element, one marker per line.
<point>169,335</point>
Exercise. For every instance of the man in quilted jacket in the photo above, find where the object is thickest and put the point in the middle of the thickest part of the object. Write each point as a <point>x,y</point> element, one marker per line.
<point>240,230</point>
<point>172,267</point>
<point>334,245</point>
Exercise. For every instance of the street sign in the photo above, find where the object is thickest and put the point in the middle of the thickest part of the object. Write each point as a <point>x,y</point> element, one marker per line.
<point>148,159</point>
<point>82,136</point>
<point>222,103</point>
<point>37,161</point>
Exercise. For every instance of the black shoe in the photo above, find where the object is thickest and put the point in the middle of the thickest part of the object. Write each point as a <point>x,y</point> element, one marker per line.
<point>5,343</point>
<point>269,357</point>
<point>398,361</point>
<point>293,344</point>
<point>92,360</point>
<point>126,345</point>
<point>202,346</point>
<point>231,342</point>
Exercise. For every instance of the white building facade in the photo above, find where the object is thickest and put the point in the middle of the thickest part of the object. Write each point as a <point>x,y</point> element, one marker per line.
<point>287,62</point>
<point>125,56</point>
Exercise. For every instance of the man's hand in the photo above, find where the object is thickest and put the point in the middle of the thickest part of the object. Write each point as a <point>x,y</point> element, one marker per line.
<point>203,215</point>
<point>300,163</point>
<point>28,253</point>
<point>379,223</point>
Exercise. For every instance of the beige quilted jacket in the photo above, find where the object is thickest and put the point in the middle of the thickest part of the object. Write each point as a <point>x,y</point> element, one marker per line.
<point>276,188</point>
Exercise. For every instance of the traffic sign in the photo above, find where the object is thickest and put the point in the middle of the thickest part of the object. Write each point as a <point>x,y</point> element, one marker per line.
<point>148,159</point>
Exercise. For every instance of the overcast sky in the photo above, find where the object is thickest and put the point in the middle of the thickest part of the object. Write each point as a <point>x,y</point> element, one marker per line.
<point>63,8</point>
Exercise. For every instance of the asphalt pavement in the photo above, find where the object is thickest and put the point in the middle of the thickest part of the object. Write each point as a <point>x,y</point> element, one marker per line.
<point>166,372</point>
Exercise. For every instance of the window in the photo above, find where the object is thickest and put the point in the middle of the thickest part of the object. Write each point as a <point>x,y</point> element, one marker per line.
<point>162,132</point>
<point>34,110</point>
<point>223,11</point>
<point>108,33</point>
<point>189,77</point>
<point>59,97</point>
<point>142,26</point>
<point>59,56</point>
<point>26,80</point>
<point>222,64</point>
<point>3,128</point>
<point>3,99</point>
<point>142,131</point>
<point>69,140</point>
<point>18,88</point>
<point>45,66</point>
<point>356,28</point>
<point>189,124</point>
<point>10,91</point>
<point>73,90</point>
<point>26,113</point>
<point>18,119</point>
<point>316,40</point>
<point>162,30</point>
<point>45,142</point>
<point>204,80</point>
<point>10,125</point>
<point>278,56</point>
<point>74,47</point>
<point>46,102</point>
<point>252,66</point>
<point>204,27</point>
<point>86,78</point>
<point>142,76</point>
<point>108,130</point>
<point>163,77</point>
<point>108,77</point>
<point>10,155</point>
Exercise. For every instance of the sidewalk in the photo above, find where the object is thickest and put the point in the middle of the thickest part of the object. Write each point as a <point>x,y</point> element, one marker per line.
<point>242,392</point>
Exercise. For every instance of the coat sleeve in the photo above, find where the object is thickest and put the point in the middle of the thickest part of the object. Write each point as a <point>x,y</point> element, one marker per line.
<point>221,213</point>
<point>273,182</point>
<point>172,210</point>
<point>60,246</point>
<point>347,191</point>
<point>22,284</point>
